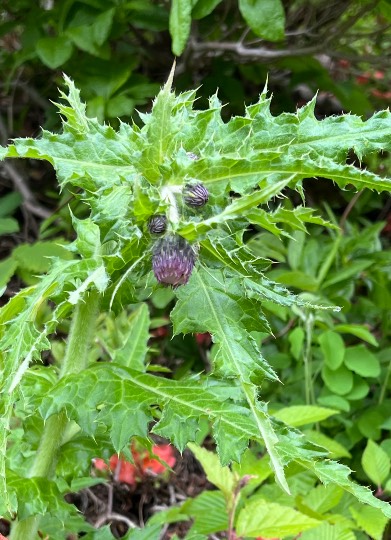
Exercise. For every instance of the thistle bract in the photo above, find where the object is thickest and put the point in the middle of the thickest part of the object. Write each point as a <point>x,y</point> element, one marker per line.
<point>173,260</point>
<point>157,224</point>
<point>195,195</point>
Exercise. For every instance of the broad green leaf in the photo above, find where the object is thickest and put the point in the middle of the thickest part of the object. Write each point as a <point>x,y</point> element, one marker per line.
<point>208,511</point>
<point>370,520</point>
<point>135,341</point>
<point>334,402</point>
<point>369,423</point>
<point>299,415</point>
<point>329,531</point>
<point>220,476</point>
<point>360,360</point>
<point>9,203</point>
<point>354,268</point>
<point>339,380</point>
<point>360,389</point>
<point>297,279</point>
<point>357,330</point>
<point>149,532</point>
<point>266,18</point>
<point>250,464</point>
<point>335,448</point>
<point>376,463</point>
<point>203,8</point>
<point>296,340</point>
<point>8,225</point>
<point>91,36</point>
<point>7,270</point>
<point>261,518</point>
<point>333,349</point>
<point>180,21</point>
<point>323,498</point>
<point>54,51</point>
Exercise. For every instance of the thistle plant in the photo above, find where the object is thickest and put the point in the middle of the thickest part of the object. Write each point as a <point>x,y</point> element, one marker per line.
<point>127,178</point>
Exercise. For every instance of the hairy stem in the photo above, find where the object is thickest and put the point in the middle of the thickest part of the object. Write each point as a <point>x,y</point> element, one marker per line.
<point>75,360</point>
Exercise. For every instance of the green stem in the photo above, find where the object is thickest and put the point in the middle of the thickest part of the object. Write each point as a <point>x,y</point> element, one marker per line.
<point>75,360</point>
<point>385,384</point>
<point>328,261</point>
<point>309,389</point>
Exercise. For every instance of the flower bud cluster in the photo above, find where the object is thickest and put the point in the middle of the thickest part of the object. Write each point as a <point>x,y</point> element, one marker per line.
<point>173,258</point>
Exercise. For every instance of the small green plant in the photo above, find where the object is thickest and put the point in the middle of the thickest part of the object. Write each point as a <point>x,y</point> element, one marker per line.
<point>127,178</point>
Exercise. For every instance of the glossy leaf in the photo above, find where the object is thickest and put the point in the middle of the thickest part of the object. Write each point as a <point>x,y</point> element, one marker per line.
<point>265,17</point>
<point>180,21</point>
<point>333,349</point>
<point>376,463</point>
<point>360,360</point>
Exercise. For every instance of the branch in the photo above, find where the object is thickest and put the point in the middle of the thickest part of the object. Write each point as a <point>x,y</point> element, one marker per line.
<point>261,53</point>
<point>20,183</point>
<point>29,201</point>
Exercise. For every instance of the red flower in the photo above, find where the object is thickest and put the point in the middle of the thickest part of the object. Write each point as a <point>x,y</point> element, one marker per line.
<point>131,473</point>
<point>99,465</point>
<point>123,470</point>
<point>165,452</point>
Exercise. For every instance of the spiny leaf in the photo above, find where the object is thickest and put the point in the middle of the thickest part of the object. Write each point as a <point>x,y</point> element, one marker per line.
<point>23,340</point>
<point>293,447</point>
<point>36,496</point>
<point>132,353</point>
<point>212,303</point>
<point>111,395</point>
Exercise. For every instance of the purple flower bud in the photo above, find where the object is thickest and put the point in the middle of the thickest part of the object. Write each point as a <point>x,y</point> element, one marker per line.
<point>173,260</point>
<point>195,195</point>
<point>192,156</point>
<point>157,224</point>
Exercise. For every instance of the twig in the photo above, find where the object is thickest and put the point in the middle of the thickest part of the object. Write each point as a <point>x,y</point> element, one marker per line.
<point>109,515</point>
<point>29,201</point>
<point>349,208</point>
<point>261,53</point>
<point>113,516</point>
